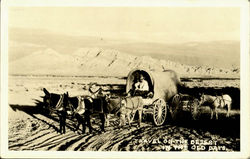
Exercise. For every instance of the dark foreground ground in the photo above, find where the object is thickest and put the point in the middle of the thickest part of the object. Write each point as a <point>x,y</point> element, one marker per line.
<point>39,132</point>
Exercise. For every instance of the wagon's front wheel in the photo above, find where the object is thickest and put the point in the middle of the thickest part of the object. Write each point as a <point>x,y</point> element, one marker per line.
<point>160,112</point>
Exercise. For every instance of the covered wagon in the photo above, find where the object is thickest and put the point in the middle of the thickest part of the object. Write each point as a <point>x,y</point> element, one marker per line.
<point>162,86</point>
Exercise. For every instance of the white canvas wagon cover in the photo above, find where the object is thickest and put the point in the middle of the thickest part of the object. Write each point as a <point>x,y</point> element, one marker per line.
<point>162,84</point>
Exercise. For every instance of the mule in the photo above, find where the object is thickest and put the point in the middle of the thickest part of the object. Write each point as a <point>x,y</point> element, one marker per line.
<point>102,106</point>
<point>80,107</point>
<point>130,105</point>
<point>56,103</point>
<point>213,102</point>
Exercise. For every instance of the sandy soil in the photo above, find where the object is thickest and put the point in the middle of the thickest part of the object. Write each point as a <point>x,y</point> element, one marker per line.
<point>28,129</point>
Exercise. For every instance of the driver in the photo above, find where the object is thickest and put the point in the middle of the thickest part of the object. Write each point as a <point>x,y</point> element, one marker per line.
<point>140,88</point>
<point>142,84</point>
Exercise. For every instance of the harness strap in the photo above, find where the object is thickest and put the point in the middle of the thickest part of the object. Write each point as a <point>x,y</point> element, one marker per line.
<point>95,91</point>
<point>127,102</point>
<point>133,107</point>
<point>226,100</point>
<point>79,103</point>
<point>129,108</point>
<point>79,106</point>
<point>119,106</point>
<point>71,107</point>
<point>59,103</point>
<point>214,100</point>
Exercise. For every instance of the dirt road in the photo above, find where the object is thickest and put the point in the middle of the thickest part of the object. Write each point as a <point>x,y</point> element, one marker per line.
<point>29,129</point>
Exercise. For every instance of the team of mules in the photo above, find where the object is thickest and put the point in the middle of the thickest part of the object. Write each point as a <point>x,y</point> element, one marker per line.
<point>82,108</point>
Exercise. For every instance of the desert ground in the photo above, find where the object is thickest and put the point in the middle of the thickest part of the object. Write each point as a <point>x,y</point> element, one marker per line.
<point>30,129</point>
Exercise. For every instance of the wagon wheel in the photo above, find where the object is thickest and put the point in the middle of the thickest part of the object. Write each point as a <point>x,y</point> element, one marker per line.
<point>175,106</point>
<point>194,109</point>
<point>160,112</point>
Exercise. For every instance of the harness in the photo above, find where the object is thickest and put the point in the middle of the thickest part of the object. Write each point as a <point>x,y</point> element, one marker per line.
<point>95,93</point>
<point>71,109</point>
<point>212,101</point>
<point>224,102</point>
<point>58,106</point>
<point>222,99</point>
<point>81,107</point>
<point>215,99</point>
<point>119,107</point>
<point>118,104</point>
<point>133,104</point>
<point>59,103</point>
<point>90,90</point>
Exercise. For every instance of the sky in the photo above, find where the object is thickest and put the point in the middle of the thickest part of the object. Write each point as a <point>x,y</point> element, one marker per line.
<point>155,24</point>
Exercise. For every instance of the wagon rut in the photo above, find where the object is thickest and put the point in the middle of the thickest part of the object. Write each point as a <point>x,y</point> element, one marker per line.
<point>36,133</point>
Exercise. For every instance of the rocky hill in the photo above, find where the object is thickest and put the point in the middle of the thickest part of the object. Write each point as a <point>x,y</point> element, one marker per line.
<point>97,61</point>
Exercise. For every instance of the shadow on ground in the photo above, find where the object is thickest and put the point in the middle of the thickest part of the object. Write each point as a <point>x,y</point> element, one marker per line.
<point>225,127</point>
<point>37,109</point>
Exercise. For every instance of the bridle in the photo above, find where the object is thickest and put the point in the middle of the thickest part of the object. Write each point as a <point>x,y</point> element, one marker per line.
<point>71,108</point>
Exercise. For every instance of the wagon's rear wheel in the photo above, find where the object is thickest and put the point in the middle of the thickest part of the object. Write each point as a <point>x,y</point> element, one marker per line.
<point>159,112</point>
<point>194,109</point>
<point>175,106</point>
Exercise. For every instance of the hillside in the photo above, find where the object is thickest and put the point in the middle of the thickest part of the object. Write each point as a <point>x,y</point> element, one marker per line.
<point>97,61</point>
<point>222,54</point>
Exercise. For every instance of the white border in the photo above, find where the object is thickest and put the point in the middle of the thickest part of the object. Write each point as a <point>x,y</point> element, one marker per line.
<point>245,82</point>
<point>245,108</point>
<point>4,78</point>
<point>136,3</point>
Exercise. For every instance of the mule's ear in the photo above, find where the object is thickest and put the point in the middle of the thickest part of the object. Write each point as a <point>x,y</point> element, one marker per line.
<point>45,91</point>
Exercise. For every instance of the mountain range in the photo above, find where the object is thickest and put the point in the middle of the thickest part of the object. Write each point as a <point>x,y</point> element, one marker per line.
<point>42,52</point>
<point>96,61</point>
